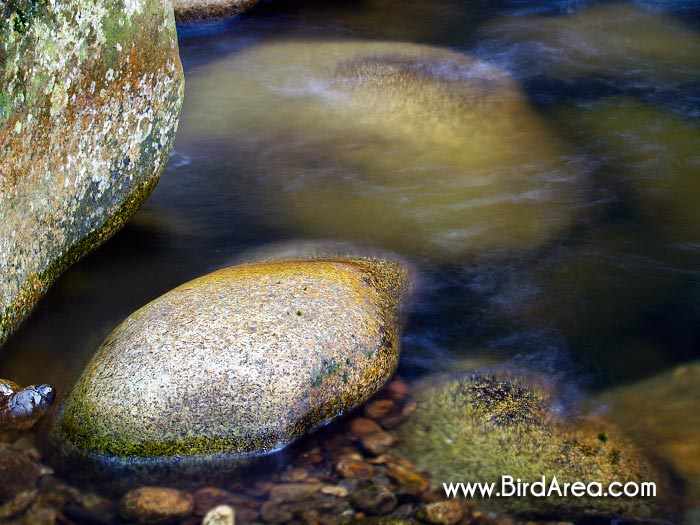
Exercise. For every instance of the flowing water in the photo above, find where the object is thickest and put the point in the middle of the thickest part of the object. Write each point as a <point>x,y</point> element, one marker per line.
<point>555,221</point>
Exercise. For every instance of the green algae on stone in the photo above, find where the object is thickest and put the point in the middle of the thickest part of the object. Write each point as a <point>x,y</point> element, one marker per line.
<point>223,366</point>
<point>91,97</point>
<point>478,426</point>
<point>661,414</point>
<point>413,148</point>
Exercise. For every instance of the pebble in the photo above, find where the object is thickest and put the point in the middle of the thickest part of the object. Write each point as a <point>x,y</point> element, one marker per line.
<point>407,478</point>
<point>351,467</point>
<point>156,505</point>
<point>441,512</point>
<point>362,426</point>
<point>335,490</point>
<point>377,443</point>
<point>221,515</point>
<point>378,408</point>
<point>18,503</point>
<point>273,513</point>
<point>17,474</point>
<point>210,497</point>
<point>374,499</point>
<point>293,492</point>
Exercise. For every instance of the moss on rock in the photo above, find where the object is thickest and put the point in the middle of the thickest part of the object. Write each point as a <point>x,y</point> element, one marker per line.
<point>479,426</point>
<point>223,365</point>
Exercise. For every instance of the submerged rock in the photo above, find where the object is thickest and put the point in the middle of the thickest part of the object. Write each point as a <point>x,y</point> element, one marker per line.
<point>90,97</point>
<point>661,414</point>
<point>193,10</point>
<point>156,505</point>
<point>413,148</point>
<point>233,366</point>
<point>21,408</point>
<point>619,40</point>
<point>479,426</point>
<point>650,152</point>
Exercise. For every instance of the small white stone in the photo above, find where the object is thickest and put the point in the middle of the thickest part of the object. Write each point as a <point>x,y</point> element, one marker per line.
<point>221,515</point>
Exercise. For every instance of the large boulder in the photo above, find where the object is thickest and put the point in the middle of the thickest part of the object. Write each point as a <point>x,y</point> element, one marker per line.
<point>90,94</point>
<point>413,148</point>
<point>661,414</point>
<point>233,366</point>
<point>479,426</point>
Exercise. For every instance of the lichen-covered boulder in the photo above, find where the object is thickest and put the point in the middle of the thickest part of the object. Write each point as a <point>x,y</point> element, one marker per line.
<point>193,10</point>
<point>661,414</point>
<point>90,94</point>
<point>478,426</point>
<point>417,149</point>
<point>235,365</point>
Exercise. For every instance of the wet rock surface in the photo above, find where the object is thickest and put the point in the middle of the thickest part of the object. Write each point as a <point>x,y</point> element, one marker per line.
<point>91,94</point>
<point>21,408</point>
<point>236,364</point>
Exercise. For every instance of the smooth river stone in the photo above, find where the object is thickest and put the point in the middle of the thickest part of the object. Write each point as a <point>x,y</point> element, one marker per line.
<point>90,95</point>
<point>234,365</point>
<point>478,426</point>
<point>619,40</point>
<point>412,148</point>
<point>661,414</point>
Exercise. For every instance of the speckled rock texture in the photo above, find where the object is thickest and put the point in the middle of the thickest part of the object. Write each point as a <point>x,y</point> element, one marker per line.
<point>480,425</point>
<point>194,10</point>
<point>661,414</point>
<point>90,95</point>
<point>236,364</point>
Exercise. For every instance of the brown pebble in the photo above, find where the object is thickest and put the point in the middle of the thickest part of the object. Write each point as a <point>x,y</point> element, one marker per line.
<point>293,492</point>
<point>351,467</point>
<point>393,420</point>
<point>295,474</point>
<point>377,443</point>
<point>246,516</point>
<point>156,505</point>
<point>207,498</point>
<point>361,426</point>
<point>271,512</point>
<point>397,389</point>
<point>18,503</point>
<point>441,513</point>
<point>335,490</point>
<point>408,479</point>
<point>374,499</point>
<point>379,408</point>
<point>17,474</point>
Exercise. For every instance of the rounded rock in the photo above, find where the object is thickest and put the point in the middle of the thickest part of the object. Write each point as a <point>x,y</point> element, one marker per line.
<point>482,425</point>
<point>233,366</point>
<point>156,505</point>
<point>488,175</point>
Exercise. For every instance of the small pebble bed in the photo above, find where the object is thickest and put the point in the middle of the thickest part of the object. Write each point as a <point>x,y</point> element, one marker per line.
<point>334,478</point>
